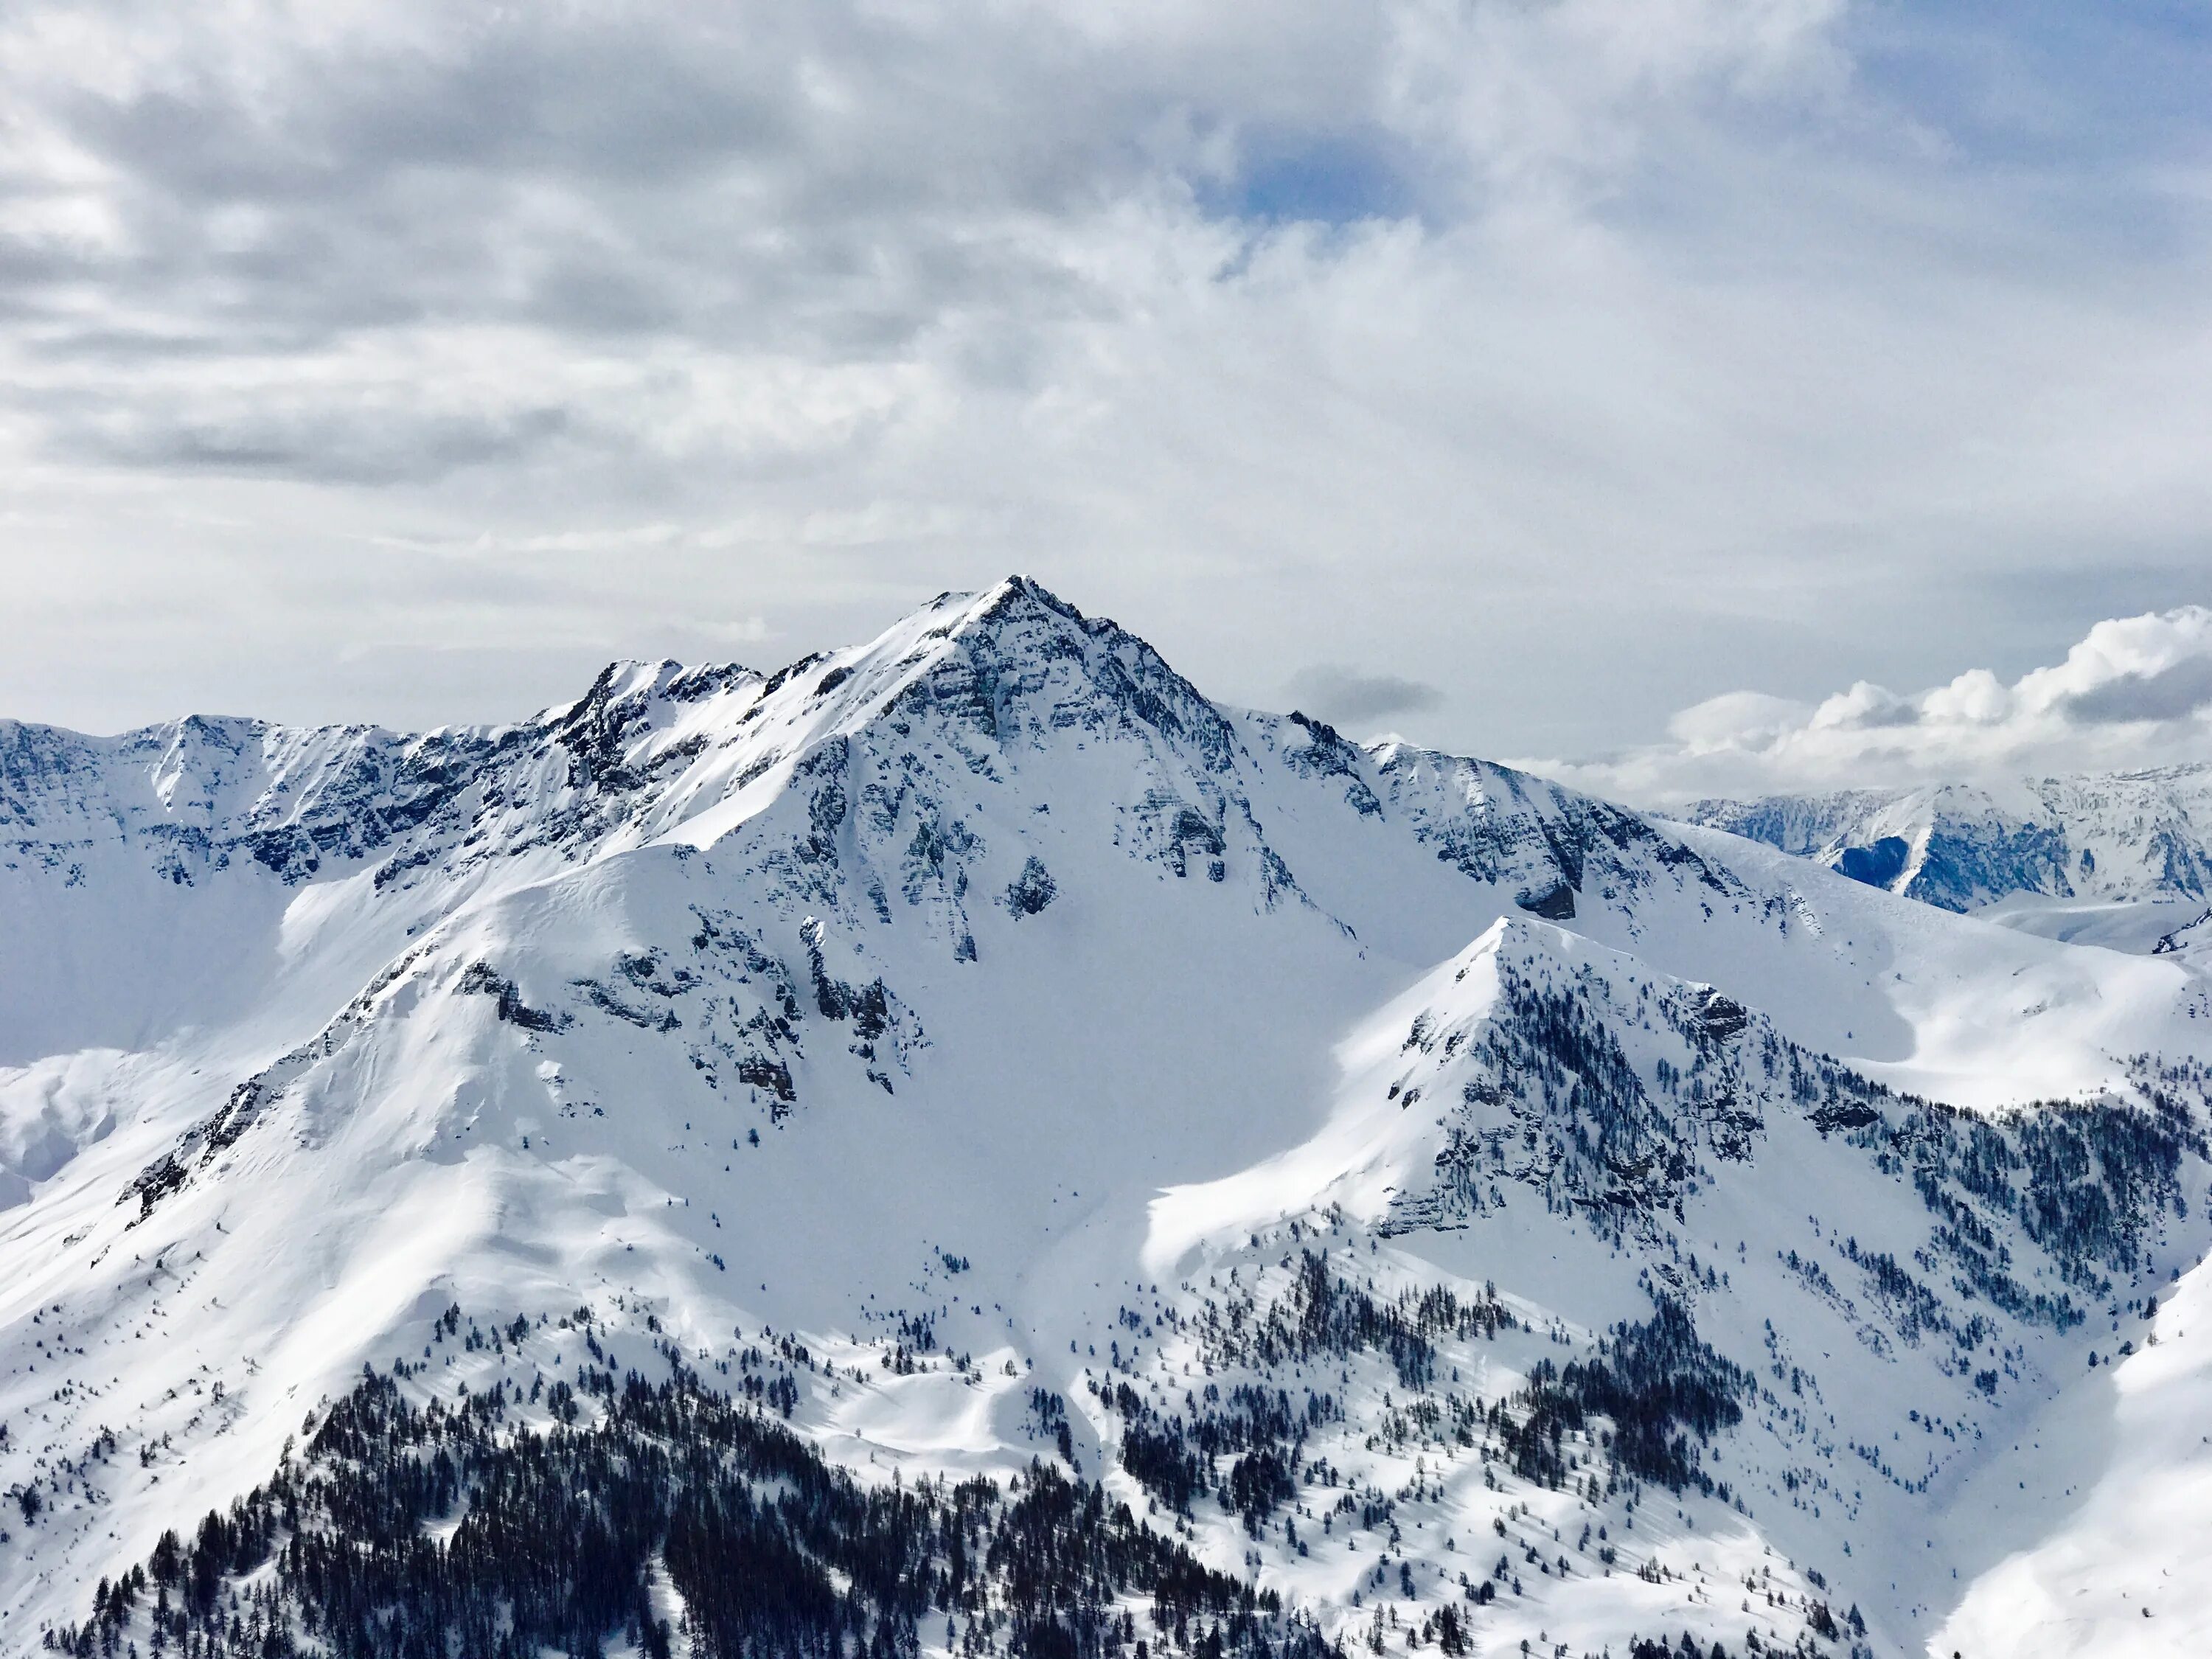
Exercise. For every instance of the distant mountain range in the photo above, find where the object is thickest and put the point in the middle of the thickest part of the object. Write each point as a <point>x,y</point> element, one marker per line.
<point>2117,835</point>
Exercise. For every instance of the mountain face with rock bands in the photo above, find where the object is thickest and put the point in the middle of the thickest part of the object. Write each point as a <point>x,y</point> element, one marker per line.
<point>964,1144</point>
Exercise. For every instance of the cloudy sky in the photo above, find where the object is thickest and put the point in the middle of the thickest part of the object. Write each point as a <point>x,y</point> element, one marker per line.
<point>1708,393</point>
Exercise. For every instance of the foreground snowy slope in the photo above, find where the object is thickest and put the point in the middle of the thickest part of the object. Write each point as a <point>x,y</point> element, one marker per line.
<point>977,1046</point>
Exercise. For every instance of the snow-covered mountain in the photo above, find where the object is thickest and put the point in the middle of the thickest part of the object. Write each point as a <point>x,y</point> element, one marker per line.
<point>2127,835</point>
<point>869,1123</point>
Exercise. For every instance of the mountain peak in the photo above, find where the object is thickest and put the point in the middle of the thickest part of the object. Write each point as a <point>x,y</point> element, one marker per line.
<point>1010,595</point>
<point>1016,616</point>
<point>1011,664</point>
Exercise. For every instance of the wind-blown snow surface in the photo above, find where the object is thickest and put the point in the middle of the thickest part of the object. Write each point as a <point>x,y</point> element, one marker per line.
<point>985,991</point>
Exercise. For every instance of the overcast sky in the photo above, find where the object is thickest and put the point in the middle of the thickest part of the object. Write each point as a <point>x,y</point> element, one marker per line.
<point>1704,392</point>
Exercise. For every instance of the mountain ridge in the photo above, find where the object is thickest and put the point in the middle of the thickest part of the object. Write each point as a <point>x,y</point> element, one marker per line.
<point>967,994</point>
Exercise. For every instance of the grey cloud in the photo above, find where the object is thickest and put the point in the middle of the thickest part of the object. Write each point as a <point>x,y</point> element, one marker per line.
<point>560,176</point>
<point>297,218</point>
<point>321,444</point>
<point>1345,695</point>
<point>2173,694</point>
<point>530,95</point>
<point>1867,706</point>
<point>829,184</point>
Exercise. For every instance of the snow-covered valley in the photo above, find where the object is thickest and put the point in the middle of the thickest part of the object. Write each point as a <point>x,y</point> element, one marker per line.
<point>1452,1211</point>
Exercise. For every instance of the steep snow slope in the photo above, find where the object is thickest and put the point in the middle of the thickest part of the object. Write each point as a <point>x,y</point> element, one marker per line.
<point>2126,835</point>
<point>2140,927</point>
<point>985,992</point>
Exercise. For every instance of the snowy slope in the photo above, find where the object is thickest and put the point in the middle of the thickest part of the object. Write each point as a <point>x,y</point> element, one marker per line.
<point>2125,836</point>
<point>985,993</point>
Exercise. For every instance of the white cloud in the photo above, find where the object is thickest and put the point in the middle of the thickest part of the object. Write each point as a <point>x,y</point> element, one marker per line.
<point>1741,720</point>
<point>2135,691</point>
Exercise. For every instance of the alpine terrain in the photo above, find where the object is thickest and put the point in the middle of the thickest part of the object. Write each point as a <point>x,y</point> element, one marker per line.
<point>2113,838</point>
<point>964,1145</point>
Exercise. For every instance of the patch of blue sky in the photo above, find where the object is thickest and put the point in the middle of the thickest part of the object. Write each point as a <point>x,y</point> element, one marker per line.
<point>1328,178</point>
<point>2046,83</point>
